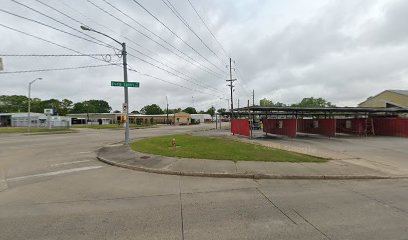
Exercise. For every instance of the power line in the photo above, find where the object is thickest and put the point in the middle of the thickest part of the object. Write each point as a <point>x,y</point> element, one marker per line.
<point>55,69</point>
<point>49,26</point>
<point>184,21</point>
<point>202,20</point>
<point>172,83</point>
<point>240,80</point>
<point>158,67</point>
<point>109,29</point>
<point>53,43</point>
<point>47,16</point>
<point>166,65</point>
<point>130,69</point>
<point>55,55</point>
<point>208,70</point>
<point>90,55</point>
<point>175,34</point>
<point>130,48</point>
<point>186,79</point>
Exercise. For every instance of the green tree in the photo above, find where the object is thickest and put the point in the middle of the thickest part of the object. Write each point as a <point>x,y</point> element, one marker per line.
<point>266,103</point>
<point>66,106</point>
<point>313,102</point>
<point>151,109</point>
<point>190,110</point>
<point>91,106</point>
<point>116,111</point>
<point>279,104</point>
<point>211,111</point>
<point>13,103</point>
<point>135,112</point>
<point>221,110</point>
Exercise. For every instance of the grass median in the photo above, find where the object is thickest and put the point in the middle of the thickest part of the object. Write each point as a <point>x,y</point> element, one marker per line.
<point>188,146</point>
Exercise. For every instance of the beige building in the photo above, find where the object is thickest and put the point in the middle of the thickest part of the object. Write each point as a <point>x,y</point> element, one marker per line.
<point>180,118</point>
<point>386,99</point>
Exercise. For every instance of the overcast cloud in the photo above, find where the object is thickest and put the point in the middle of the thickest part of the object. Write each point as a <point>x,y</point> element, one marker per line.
<point>341,50</point>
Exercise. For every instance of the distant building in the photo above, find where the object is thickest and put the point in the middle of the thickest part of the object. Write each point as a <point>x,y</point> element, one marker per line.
<point>37,120</point>
<point>201,118</point>
<point>387,99</point>
<point>94,118</point>
<point>180,118</point>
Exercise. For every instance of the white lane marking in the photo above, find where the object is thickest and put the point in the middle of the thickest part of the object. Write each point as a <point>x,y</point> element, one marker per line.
<point>53,173</point>
<point>68,163</point>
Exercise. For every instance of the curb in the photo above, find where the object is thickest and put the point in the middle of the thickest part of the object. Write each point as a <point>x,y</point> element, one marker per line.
<point>248,175</point>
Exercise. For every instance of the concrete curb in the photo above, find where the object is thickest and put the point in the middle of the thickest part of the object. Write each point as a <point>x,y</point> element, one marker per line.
<point>247,175</point>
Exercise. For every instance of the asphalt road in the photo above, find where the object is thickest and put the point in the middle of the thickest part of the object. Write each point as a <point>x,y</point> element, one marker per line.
<point>52,187</point>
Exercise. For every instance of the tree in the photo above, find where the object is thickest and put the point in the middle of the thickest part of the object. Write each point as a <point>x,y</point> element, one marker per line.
<point>265,103</point>
<point>91,106</point>
<point>313,102</point>
<point>279,104</point>
<point>151,109</point>
<point>116,111</point>
<point>211,111</point>
<point>14,103</point>
<point>221,110</point>
<point>190,110</point>
<point>66,106</point>
<point>135,112</point>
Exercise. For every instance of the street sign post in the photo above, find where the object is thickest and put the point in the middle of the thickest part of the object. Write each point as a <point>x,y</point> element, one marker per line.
<point>125,84</point>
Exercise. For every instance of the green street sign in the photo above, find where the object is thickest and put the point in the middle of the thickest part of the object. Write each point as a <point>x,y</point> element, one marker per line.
<point>125,84</point>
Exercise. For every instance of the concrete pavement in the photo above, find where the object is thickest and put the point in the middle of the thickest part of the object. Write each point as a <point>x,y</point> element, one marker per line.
<point>123,156</point>
<point>80,202</point>
<point>341,166</point>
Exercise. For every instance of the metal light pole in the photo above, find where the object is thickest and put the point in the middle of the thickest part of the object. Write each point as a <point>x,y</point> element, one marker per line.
<point>167,111</point>
<point>29,102</point>
<point>125,78</point>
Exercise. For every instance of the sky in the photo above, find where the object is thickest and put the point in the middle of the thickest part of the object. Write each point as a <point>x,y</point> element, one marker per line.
<point>340,50</point>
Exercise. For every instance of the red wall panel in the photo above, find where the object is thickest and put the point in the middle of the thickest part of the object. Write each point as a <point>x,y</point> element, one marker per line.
<point>326,127</point>
<point>356,126</point>
<point>285,127</point>
<point>240,127</point>
<point>391,127</point>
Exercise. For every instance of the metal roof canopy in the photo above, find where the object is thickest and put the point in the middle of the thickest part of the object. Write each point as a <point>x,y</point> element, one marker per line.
<point>316,110</point>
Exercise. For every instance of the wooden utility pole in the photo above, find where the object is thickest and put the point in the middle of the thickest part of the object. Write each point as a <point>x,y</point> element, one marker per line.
<point>253,97</point>
<point>231,81</point>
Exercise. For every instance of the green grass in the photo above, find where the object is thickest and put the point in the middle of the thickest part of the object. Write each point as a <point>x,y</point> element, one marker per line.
<point>33,130</point>
<point>112,126</point>
<point>217,149</point>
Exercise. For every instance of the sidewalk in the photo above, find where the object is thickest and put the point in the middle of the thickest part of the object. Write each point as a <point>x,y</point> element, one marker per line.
<point>123,156</point>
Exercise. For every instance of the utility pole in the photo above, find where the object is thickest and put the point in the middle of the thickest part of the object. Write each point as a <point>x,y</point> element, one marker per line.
<point>239,116</point>
<point>125,79</point>
<point>231,81</point>
<point>253,97</point>
<point>167,111</point>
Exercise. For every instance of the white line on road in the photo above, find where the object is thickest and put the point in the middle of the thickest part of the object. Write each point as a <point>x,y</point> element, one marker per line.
<point>53,173</point>
<point>68,163</point>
